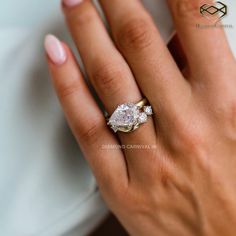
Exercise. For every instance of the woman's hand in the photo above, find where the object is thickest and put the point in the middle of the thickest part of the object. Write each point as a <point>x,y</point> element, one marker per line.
<point>185,182</point>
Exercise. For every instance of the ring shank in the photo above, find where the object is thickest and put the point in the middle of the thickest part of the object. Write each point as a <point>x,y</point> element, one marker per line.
<point>142,103</point>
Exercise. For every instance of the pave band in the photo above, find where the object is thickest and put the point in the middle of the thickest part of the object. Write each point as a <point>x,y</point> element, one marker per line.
<point>129,116</point>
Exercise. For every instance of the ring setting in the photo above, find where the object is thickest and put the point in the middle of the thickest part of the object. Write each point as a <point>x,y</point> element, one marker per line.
<point>129,116</point>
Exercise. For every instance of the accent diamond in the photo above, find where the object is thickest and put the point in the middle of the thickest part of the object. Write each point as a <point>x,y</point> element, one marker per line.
<point>148,110</point>
<point>142,118</point>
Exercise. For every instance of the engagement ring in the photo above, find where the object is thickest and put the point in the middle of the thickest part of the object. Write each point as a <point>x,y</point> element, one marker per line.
<point>129,116</point>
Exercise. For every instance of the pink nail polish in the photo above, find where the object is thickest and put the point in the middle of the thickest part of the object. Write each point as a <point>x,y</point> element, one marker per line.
<point>55,50</point>
<point>71,3</point>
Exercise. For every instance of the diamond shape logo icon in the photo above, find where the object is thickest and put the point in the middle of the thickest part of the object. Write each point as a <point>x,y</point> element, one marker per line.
<point>214,12</point>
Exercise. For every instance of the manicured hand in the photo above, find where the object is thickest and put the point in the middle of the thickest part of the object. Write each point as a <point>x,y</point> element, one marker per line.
<point>176,174</point>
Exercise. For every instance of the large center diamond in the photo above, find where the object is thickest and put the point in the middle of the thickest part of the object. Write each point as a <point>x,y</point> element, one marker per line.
<point>125,115</point>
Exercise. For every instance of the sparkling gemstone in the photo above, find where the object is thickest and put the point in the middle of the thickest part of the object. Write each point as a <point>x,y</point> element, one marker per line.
<point>142,118</point>
<point>115,129</point>
<point>148,110</point>
<point>125,115</point>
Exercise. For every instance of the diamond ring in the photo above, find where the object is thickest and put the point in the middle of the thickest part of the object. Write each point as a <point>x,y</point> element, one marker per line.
<point>129,116</point>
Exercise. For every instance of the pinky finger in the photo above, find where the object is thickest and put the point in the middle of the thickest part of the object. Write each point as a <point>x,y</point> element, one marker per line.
<point>84,116</point>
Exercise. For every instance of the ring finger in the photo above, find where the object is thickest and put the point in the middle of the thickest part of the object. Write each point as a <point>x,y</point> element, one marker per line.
<point>106,68</point>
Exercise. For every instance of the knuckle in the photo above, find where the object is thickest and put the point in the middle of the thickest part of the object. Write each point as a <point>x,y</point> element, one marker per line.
<point>135,34</point>
<point>91,132</point>
<point>106,78</point>
<point>189,138</point>
<point>81,18</point>
<point>193,139</point>
<point>187,8</point>
<point>67,90</point>
<point>194,143</point>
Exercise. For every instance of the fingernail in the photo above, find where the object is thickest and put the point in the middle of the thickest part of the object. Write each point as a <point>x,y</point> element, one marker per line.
<point>55,50</point>
<point>71,3</point>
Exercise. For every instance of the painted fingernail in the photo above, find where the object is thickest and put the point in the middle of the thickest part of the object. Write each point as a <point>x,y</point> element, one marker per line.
<point>71,3</point>
<point>55,49</point>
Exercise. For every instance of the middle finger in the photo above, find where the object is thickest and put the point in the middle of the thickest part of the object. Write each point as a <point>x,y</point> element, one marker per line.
<point>140,42</point>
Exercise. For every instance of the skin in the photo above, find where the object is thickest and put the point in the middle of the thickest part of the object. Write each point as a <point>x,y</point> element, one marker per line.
<point>186,184</point>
